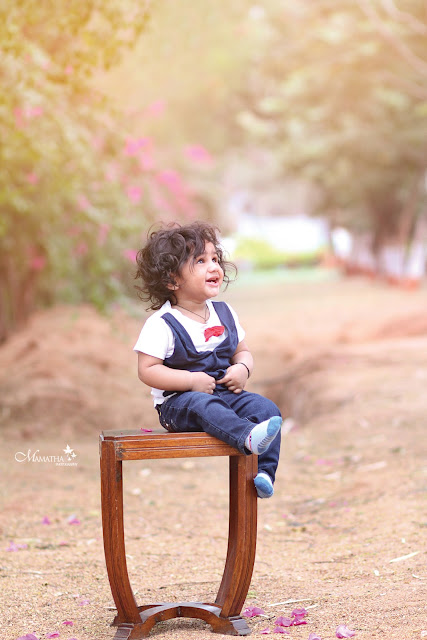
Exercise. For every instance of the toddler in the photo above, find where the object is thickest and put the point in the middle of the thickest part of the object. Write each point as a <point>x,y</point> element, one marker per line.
<point>192,351</point>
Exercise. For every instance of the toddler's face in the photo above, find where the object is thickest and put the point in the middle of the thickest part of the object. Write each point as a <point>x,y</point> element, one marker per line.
<point>201,277</point>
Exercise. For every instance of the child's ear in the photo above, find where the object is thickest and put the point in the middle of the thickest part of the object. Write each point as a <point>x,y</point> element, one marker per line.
<point>172,286</point>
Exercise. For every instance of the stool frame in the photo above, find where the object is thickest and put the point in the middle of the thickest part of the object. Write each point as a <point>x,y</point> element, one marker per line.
<point>223,614</point>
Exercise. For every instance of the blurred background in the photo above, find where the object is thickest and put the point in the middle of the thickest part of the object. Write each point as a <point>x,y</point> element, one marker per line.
<point>299,128</point>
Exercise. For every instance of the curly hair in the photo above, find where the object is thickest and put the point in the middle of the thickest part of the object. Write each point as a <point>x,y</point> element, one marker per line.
<point>166,252</point>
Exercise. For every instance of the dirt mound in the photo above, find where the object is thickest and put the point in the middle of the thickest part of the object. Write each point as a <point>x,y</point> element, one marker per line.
<point>73,370</point>
<point>414,324</point>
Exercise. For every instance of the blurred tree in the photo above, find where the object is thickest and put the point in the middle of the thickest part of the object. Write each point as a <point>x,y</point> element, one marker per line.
<point>71,176</point>
<point>339,90</point>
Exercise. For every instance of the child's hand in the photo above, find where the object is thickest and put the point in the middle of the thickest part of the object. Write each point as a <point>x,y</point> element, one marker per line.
<point>235,378</point>
<point>202,382</point>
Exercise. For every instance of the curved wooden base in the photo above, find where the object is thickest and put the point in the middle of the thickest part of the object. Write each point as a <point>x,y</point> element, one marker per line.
<point>135,622</point>
<point>152,614</point>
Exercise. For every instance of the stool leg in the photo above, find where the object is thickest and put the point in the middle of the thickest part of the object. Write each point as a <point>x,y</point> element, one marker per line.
<point>113,532</point>
<point>242,536</point>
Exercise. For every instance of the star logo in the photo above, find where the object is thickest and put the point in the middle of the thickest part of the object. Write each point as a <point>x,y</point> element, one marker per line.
<point>69,452</point>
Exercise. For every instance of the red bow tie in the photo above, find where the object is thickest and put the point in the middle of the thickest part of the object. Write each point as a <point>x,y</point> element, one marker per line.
<point>213,331</point>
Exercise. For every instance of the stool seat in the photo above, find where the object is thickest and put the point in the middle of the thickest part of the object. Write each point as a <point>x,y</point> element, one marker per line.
<point>223,614</point>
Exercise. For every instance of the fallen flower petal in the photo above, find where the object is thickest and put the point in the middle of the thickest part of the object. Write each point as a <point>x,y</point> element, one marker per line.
<point>344,632</point>
<point>299,613</point>
<point>73,520</point>
<point>298,621</point>
<point>282,621</point>
<point>314,636</point>
<point>251,612</point>
<point>281,630</point>
<point>68,622</point>
<point>55,634</point>
<point>46,520</point>
<point>16,547</point>
<point>266,630</point>
<point>29,636</point>
<point>84,602</point>
<point>146,430</point>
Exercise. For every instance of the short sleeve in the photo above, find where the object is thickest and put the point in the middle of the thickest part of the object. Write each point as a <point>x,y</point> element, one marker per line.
<point>240,331</point>
<point>156,338</point>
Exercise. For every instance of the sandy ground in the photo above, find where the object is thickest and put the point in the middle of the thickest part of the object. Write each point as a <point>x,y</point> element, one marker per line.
<point>344,535</point>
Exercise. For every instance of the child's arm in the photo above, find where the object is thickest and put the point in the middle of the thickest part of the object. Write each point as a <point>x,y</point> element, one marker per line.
<point>154,373</point>
<point>237,374</point>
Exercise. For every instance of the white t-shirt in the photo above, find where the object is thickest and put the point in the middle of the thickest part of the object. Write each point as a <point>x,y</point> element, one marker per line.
<point>156,338</point>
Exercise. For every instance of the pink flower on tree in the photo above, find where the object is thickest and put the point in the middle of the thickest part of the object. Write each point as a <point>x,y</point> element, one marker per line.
<point>103,231</point>
<point>32,178</point>
<point>156,108</point>
<point>198,154</point>
<point>83,203</point>
<point>134,194</point>
<point>134,145</point>
<point>146,161</point>
<point>130,254</point>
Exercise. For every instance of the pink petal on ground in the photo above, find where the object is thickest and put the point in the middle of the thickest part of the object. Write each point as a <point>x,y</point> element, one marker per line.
<point>299,613</point>
<point>251,612</point>
<point>29,636</point>
<point>16,547</point>
<point>84,602</point>
<point>314,636</point>
<point>46,520</point>
<point>298,621</point>
<point>55,634</point>
<point>281,630</point>
<point>68,622</point>
<point>344,632</point>
<point>146,430</point>
<point>265,631</point>
<point>73,520</point>
<point>282,621</point>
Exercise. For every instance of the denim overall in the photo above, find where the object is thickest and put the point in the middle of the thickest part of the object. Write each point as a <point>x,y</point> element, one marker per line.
<point>226,415</point>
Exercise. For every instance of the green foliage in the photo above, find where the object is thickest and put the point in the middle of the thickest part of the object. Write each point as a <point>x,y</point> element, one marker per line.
<point>260,254</point>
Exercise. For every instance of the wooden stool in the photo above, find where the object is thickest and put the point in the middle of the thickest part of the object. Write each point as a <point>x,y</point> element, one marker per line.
<point>223,615</point>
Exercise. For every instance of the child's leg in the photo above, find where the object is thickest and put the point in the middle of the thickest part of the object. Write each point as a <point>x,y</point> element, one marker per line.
<point>257,408</point>
<point>195,411</point>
